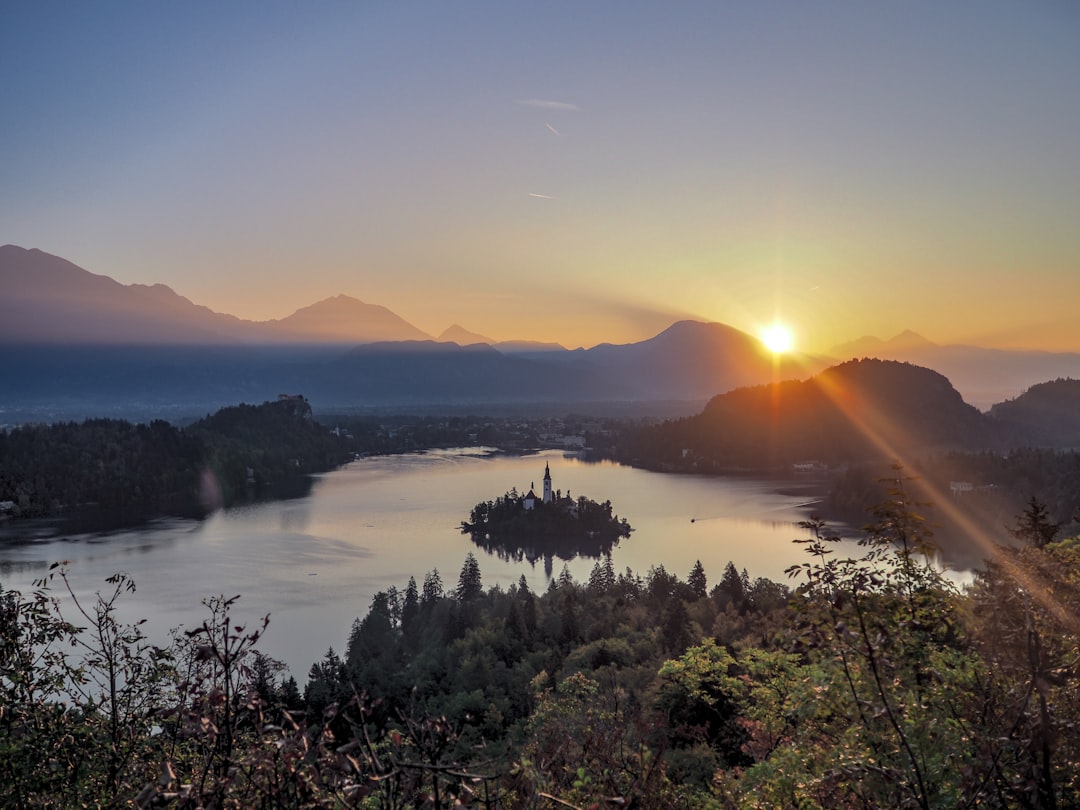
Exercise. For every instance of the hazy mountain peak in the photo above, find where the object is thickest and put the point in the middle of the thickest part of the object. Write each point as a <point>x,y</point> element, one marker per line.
<point>342,318</point>
<point>462,336</point>
<point>909,339</point>
<point>870,345</point>
<point>339,301</point>
<point>51,300</point>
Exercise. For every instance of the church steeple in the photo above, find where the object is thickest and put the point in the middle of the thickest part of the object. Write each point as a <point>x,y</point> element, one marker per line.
<point>547,483</point>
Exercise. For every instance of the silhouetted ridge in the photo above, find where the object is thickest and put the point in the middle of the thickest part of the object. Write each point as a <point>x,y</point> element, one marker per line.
<point>50,301</point>
<point>858,410</point>
<point>1046,415</point>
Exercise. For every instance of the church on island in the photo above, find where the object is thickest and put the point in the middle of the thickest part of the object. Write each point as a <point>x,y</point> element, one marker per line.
<point>531,526</point>
<point>529,501</point>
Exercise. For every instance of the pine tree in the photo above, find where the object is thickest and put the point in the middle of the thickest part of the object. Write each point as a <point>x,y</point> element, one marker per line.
<point>697,581</point>
<point>1034,526</point>
<point>732,588</point>
<point>433,588</point>
<point>410,606</point>
<point>470,586</point>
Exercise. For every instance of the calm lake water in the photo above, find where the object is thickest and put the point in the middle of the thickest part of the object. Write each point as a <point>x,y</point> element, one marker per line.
<point>314,563</point>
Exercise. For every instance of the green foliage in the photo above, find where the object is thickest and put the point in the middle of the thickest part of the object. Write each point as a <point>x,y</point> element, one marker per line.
<point>1025,605</point>
<point>158,468</point>
<point>698,693</point>
<point>876,684</point>
<point>583,747</point>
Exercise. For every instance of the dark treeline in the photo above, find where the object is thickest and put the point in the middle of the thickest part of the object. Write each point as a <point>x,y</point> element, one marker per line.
<point>236,453</point>
<point>874,683</point>
<point>406,433</point>
<point>856,411</point>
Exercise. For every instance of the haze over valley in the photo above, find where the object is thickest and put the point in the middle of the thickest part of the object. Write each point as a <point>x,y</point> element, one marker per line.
<point>553,405</point>
<point>78,342</point>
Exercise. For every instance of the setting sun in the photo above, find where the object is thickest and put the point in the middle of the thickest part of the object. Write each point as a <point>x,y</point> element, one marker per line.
<point>777,338</point>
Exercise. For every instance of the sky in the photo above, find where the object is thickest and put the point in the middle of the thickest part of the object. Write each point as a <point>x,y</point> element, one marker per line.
<point>579,172</point>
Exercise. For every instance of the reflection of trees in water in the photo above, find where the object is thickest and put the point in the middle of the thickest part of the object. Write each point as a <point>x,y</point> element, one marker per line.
<point>564,529</point>
<point>508,550</point>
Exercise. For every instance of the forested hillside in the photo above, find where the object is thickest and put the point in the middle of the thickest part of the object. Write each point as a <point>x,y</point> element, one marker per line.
<point>857,411</point>
<point>875,683</point>
<point>1046,415</point>
<point>112,463</point>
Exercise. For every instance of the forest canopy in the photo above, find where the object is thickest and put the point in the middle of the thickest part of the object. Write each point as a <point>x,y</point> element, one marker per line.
<point>111,463</point>
<point>875,682</point>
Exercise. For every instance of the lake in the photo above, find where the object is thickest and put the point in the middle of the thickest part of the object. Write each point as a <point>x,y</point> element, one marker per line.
<point>313,563</point>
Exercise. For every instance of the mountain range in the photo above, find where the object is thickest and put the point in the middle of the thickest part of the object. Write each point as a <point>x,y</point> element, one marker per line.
<point>75,341</point>
<point>984,376</point>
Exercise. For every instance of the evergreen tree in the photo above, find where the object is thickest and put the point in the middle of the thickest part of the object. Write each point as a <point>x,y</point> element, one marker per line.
<point>731,589</point>
<point>470,586</point>
<point>433,588</point>
<point>325,680</point>
<point>1034,526</point>
<point>410,607</point>
<point>697,581</point>
<point>566,579</point>
<point>602,578</point>
<point>660,584</point>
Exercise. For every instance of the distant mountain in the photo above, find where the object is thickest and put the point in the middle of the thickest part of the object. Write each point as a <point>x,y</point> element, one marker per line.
<point>342,319</point>
<point>49,300</point>
<point>692,360</point>
<point>685,363</point>
<point>870,346</point>
<point>983,376</point>
<point>462,336</point>
<point>1046,415</point>
<point>859,410</point>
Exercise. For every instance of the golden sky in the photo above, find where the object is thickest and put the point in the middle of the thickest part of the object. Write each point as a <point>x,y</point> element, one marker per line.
<point>563,171</point>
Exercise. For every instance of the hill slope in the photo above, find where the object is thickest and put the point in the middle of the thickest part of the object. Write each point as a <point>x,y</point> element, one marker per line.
<point>985,376</point>
<point>1046,415</point>
<point>859,410</point>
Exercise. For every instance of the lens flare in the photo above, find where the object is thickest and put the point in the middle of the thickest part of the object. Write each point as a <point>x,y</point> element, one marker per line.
<point>778,338</point>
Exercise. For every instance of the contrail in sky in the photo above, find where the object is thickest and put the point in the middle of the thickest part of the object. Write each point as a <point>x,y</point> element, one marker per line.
<point>555,131</point>
<point>541,196</point>
<point>547,104</point>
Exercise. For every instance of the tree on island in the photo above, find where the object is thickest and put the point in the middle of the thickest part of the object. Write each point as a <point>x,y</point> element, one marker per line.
<point>517,527</point>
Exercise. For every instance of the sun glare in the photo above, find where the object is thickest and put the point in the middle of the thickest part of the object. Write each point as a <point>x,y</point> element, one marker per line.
<point>777,338</point>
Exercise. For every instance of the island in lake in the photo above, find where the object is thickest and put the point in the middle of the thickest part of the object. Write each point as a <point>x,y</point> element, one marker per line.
<point>532,527</point>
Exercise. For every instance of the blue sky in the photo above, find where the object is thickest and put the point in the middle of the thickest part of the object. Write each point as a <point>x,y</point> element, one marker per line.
<point>576,172</point>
